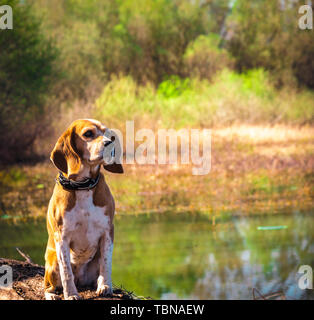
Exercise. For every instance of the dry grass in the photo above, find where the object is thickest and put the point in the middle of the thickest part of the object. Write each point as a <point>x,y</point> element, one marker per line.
<point>244,179</point>
<point>272,141</point>
<point>256,134</point>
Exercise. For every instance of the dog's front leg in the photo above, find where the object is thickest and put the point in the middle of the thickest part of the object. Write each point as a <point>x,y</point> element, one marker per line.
<point>67,277</point>
<point>104,284</point>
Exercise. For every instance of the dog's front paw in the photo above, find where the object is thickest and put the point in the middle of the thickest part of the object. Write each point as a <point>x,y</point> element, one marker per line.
<point>52,296</point>
<point>74,297</point>
<point>104,290</point>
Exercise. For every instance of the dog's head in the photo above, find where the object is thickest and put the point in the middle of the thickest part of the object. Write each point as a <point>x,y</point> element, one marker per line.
<point>86,143</point>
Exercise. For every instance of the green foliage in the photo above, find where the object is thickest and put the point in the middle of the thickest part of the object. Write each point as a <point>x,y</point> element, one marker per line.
<point>156,51</point>
<point>173,87</point>
<point>13,177</point>
<point>203,57</point>
<point>73,25</point>
<point>147,39</point>
<point>256,81</point>
<point>152,39</point>
<point>230,97</point>
<point>265,34</point>
<point>26,71</point>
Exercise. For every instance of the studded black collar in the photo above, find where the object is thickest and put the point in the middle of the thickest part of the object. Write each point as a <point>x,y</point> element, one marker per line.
<point>68,184</point>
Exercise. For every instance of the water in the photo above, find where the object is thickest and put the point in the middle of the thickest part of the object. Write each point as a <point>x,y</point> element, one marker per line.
<point>182,256</point>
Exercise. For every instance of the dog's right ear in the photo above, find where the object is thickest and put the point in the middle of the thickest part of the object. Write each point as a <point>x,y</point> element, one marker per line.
<point>57,156</point>
<point>64,155</point>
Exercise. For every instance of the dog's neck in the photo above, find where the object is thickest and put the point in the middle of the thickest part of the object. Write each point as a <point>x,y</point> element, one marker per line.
<point>85,172</point>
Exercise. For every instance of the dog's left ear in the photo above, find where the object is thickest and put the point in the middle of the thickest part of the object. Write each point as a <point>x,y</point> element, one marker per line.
<point>115,166</point>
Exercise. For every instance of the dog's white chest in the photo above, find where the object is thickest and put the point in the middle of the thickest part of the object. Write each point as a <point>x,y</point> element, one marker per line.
<point>84,225</point>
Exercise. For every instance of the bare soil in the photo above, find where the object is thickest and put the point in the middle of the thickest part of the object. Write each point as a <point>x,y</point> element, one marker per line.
<point>28,284</point>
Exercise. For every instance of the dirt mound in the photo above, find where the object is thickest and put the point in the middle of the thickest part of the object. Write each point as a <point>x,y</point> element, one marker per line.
<point>28,284</point>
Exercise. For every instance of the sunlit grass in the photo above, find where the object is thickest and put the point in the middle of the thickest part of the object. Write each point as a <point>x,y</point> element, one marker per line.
<point>255,134</point>
<point>244,179</point>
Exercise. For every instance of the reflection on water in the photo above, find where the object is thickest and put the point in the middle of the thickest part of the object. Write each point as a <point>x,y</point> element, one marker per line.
<point>182,256</point>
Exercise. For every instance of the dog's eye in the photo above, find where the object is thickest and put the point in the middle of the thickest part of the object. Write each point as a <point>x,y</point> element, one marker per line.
<point>88,134</point>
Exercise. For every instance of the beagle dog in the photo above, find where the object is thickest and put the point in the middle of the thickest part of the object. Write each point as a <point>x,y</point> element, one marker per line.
<point>81,210</point>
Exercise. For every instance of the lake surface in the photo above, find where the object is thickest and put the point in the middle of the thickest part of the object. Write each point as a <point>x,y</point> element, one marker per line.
<point>183,256</point>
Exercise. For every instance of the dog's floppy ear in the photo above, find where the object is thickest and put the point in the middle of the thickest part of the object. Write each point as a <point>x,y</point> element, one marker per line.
<point>64,155</point>
<point>115,165</point>
<point>57,157</point>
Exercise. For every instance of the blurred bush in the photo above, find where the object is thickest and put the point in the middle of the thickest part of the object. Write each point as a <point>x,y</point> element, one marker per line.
<point>151,40</point>
<point>203,58</point>
<point>265,34</point>
<point>147,39</point>
<point>73,26</point>
<point>26,71</point>
<point>227,99</point>
<point>173,87</point>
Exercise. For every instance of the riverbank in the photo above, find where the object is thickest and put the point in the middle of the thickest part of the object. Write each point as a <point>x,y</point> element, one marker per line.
<point>254,169</point>
<point>28,284</point>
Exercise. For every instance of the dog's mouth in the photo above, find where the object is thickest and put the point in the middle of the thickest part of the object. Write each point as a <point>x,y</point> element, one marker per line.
<point>107,143</point>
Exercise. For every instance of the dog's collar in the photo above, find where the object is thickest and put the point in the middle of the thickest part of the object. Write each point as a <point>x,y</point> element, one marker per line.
<point>68,184</point>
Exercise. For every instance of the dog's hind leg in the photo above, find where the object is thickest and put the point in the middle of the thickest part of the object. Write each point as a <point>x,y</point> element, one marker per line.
<point>52,280</point>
